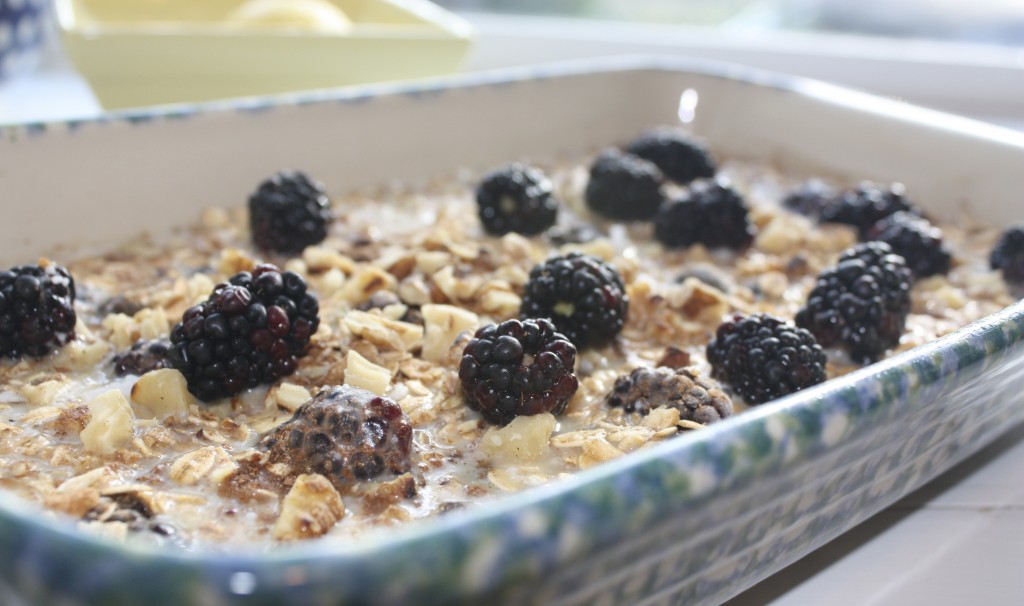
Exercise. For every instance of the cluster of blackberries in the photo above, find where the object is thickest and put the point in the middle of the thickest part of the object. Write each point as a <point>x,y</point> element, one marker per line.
<point>288,212</point>
<point>878,213</point>
<point>582,295</point>
<point>37,312</point>
<point>763,358</point>
<point>518,368</point>
<point>516,198</point>
<point>346,434</point>
<point>250,331</point>
<point>697,398</point>
<point>627,186</point>
<point>862,303</point>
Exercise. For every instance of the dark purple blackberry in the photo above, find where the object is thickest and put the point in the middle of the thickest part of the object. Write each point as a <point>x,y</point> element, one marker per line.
<point>143,357</point>
<point>916,240</point>
<point>289,212</point>
<point>862,303</point>
<point>866,205</point>
<point>584,296</point>
<point>252,330</point>
<point>710,212</point>
<point>698,399</point>
<point>763,358</point>
<point>624,187</point>
<point>1008,254</point>
<point>518,368</point>
<point>37,310</point>
<point>346,434</point>
<point>517,199</point>
<point>810,198</point>
<point>679,156</point>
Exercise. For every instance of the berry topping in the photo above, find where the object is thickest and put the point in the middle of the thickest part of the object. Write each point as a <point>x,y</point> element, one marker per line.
<point>584,296</point>
<point>710,212</point>
<point>143,357</point>
<point>810,198</point>
<point>518,368</point>
<point>251,330</point>
<point>862,303</point>
<point>37,312</point>
<point>1008,254</point>
<point>518,199</point>
<point>698,399</point>
<point>763,358</point>
<point>289,212</point>
<point>624,187</point>
<point>866,205</point>
<point>916,240</point>
<point>346,434</point>
<point>679,156</point>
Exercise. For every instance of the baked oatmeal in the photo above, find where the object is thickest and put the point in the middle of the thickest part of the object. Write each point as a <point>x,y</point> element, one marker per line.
<point>303,368</point>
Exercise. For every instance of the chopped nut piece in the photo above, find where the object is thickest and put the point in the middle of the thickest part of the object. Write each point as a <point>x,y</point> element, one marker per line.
<point>287,396</point>
<point>378,496</point>
<point>111,424</point>
<point>206,462</point>
<point>366,282</point>
<point>523,440</point>
<point>161,393</point>
<point>81,493</point>
<point>310,509</point>
<point>443,323</point>
<point>662,417</point>
<point>44,392</point>
<point>384,332</point>
<point>360,372</point>
<point>320,259</point>
<point>81,353</point>
<point>597,450</point>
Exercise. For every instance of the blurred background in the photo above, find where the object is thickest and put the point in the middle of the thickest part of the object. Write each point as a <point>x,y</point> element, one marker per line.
<point>963,57</point>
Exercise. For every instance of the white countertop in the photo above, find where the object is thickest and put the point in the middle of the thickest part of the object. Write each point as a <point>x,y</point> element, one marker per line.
<point>958,540</point>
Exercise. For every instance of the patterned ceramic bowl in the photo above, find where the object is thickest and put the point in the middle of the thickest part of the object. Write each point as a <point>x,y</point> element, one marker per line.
<point>23,26</point>
<point>693,520</point>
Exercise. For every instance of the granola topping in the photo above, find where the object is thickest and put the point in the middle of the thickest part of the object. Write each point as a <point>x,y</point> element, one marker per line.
<point>105,432</point>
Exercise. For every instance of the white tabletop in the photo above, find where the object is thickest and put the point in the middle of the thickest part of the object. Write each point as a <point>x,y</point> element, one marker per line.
<point>958,540</point>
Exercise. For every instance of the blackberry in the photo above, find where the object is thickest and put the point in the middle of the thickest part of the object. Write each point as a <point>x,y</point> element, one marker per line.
<point>916,240</point>
<point>810,198</point>
<point>679,156</point>
<point>584,297</point>
<point>250,331</point>
<point>698,399</point>
<point>763,358</point>
<point>288,212</point>
<point>862,303</point>
<point>346,434</point>
<point>1008,254</point>
<point>517,199</point>
<point>624,187</point>
<point>143,357</point>
<point>866,205</point>
<point>518,368</point>
<point>37,311</point>
<point>710,212</point>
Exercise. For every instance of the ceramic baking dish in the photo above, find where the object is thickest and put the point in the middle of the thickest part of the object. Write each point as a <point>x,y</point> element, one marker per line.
<point>693,520</point>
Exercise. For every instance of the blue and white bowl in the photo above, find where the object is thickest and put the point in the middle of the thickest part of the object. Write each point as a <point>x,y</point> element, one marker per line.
<point>23,26</point>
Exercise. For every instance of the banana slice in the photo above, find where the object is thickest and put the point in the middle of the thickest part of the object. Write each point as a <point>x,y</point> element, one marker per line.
<point>311,15</point>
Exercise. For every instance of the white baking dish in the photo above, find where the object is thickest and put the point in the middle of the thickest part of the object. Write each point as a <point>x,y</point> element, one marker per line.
<point>693,520</point>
